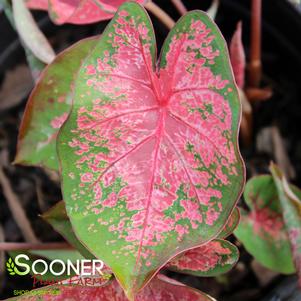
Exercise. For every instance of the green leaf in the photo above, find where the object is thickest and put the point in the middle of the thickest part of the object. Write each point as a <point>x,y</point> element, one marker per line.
<point>290,200</point>
<point>214,258</point>
<point>262,230</point>
<point>48,107</point>
<point>63,255</point>
<point>149,157</point>
<point>58,219</point>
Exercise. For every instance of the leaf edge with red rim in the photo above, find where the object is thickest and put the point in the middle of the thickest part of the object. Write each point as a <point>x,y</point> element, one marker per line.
<point>219,269</point>
<point>31,125</point>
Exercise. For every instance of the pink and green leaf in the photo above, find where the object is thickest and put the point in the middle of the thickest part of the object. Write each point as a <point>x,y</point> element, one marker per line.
<point>149,158</point>
<point>262,230</point>
<point>214,258</point>
<point>160,288</point>
<point>238,57</point>
<point>290,200</point>
<point>48,107</point>
<point>78,11</point>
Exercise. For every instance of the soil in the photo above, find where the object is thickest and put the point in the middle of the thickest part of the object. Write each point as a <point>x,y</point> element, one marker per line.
<point>281,65</point>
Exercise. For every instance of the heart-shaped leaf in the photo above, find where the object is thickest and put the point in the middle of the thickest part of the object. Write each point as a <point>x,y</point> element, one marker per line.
<point>214,258</point>
<point>290,199</point>
<point>149,158</point>
<point>160,288</point>
<point>58,219</point>
<point>78,11</point>
<point>262,230</point>
<point>48,107</point>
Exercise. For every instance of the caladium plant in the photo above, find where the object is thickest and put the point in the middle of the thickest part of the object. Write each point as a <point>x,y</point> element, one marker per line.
<point>290,199</point>
<point>149,157</point>
<point>271,230</point>
<point>262,230</point>
<point>78,11</point>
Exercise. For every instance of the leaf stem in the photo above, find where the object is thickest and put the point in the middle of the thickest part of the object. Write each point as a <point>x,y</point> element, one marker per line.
<point>212,10</point>
<point>14,246</point>
<point>36,66</point>
<point>160,14</point>
<point>255,51</point>
<point>179,5</point>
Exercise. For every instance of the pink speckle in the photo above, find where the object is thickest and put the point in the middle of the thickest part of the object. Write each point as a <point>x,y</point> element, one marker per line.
<point>91,70</point>
<point>191,211</point>
<point>111,201</point>
<point>181,230</point>
<point>86,177</point>
<point>57,122</point>
<point>123,13</point>
<point>108,179</point>
<point>266,220</point>
<point>211,216</point>
<point>61,99</point>
<point>90,82</point>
